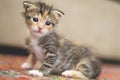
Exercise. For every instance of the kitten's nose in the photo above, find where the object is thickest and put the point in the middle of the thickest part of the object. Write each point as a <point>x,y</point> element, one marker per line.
<point>39,29</point>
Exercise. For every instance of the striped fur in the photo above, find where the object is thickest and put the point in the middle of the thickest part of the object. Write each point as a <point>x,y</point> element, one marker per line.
<point>57,54</point>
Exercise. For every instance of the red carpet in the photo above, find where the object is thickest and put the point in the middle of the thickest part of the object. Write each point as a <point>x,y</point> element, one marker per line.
<point>11,64</point>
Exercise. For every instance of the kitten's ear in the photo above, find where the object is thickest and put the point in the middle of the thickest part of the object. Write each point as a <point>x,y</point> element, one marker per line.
<point>58,14</point>
<point>28,5</point>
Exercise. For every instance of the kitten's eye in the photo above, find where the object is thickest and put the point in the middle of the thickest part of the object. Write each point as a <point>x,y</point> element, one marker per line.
<point>48,23</point>
<point>35,19</point>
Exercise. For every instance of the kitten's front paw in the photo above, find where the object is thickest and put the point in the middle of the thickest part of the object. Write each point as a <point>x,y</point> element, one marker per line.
<point>26,66</point>
<point>35,73</point>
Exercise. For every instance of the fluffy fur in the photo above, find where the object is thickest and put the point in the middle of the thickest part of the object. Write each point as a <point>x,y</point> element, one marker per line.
<point>56,54</point>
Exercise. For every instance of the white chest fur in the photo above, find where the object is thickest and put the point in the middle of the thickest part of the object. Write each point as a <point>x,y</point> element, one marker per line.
<point>37,49</point>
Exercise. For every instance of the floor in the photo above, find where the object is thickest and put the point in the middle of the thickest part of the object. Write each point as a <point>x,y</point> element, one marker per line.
<point>11,63</point>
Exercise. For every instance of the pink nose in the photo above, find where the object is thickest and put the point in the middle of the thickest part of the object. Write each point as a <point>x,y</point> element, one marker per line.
<point>39,29</point>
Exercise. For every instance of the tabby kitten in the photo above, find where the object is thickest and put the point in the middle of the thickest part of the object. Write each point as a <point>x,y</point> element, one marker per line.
<point>56,54</point>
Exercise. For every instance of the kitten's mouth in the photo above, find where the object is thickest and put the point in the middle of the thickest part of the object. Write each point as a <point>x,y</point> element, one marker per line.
<point>38,31</point>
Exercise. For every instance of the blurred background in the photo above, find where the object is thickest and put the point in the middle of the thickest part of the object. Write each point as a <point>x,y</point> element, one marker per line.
<point>90,22</point>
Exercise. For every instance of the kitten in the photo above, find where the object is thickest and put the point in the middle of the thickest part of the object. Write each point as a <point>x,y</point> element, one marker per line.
<point>56,54</point>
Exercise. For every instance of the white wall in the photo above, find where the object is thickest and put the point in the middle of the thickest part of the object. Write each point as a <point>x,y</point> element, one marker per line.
<point>92,22</point>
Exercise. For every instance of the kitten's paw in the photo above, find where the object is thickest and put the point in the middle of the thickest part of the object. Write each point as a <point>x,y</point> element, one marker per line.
<point>35,73</point>
<point>67,73</point>
<point>26,66</point>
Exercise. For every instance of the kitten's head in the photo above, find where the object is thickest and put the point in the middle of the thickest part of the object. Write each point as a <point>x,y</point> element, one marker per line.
<point>40,17</point>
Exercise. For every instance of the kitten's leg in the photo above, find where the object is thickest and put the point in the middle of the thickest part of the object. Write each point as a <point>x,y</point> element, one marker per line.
<point>85,69</point>
<point>31,58</point>
<point>29,62</point>
<point>46,66</point>
<point>74,74</point>
<point>48,63</point>
<point>37,64</point>
<point>90,67</point>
